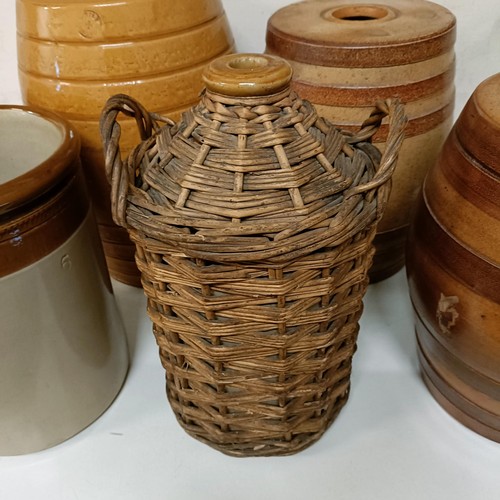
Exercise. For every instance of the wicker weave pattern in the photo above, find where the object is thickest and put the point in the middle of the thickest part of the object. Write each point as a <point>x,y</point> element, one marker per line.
<point>253,221</point>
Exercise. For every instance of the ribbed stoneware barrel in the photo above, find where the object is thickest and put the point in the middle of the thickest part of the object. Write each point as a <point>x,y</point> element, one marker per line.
<point>453,264</point>
<point>73,55</point>
<point>63,352</point>
<point>348,54</point>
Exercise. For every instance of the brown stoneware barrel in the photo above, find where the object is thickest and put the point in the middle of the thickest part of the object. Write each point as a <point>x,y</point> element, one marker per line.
<point>453,265</point>
<point>74,55</point>
<point>348,54</point>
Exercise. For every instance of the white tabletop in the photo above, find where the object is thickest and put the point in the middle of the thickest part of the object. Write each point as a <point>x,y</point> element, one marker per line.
<point>391,440</point>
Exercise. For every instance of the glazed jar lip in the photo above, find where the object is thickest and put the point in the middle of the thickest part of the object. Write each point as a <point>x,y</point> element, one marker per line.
<point>247,74</point>
<point>38,180</point>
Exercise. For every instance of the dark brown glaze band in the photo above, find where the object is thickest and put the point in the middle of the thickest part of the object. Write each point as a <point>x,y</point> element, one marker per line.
<point>475,183</point>
<point>41,208</point>
<point>31,234</point>
<point>461,262</point>
<point>302,50</point>
<point>359,96</point>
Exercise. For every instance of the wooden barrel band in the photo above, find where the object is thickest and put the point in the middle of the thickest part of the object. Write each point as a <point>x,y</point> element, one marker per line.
<point>474,181</point>
<point>474,415</point>
<point>475,272</point>
<point>428,342</point>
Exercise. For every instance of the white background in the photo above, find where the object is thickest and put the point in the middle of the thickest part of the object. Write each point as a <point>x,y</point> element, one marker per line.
<point>391,441</point>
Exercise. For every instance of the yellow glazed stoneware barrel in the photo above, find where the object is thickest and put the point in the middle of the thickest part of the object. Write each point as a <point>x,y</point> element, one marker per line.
<point>73,55</point>
<point>346,55</point>
<point>63,353</point>
<point>453,265</point>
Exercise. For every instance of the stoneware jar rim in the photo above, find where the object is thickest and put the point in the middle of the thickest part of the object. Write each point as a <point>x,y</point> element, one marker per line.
<point>37,181</point>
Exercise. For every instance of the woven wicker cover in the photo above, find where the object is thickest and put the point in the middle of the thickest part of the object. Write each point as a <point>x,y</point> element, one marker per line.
<point>253,221</point>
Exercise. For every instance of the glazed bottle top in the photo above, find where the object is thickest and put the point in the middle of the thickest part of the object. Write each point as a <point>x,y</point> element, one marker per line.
<point>478,127</point>
<point>247,75</point>
<point>357,33</point>
<point>36,151</point>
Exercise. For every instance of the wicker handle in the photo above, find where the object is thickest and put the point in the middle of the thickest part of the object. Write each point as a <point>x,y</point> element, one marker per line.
<point>394,110</point>
<point>120,175</point>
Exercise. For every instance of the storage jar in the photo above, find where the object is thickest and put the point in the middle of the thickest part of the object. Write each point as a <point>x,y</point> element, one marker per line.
<point>63,353</point>
<point>346,55</point>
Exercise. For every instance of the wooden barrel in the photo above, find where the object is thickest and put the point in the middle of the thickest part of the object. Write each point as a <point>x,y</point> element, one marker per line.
<point>347,55</point>
<point>74,55</point>
<point>453,264</point>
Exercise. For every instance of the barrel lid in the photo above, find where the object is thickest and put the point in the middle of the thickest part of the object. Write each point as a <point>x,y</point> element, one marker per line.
<point>357,33</point>
<point>478,126</point>
<point>37,150</point>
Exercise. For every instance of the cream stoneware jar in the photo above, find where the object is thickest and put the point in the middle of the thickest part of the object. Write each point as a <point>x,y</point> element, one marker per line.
<point>63,353</point>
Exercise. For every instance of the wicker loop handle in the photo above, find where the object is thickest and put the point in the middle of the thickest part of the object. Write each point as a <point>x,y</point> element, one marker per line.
<point>119,174</point>
<point>394,110</point>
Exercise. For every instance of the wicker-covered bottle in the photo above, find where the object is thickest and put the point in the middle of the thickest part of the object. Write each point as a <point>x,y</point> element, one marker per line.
<point>253,220</point>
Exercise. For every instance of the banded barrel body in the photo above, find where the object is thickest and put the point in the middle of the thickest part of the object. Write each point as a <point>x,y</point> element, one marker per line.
<point>348,55</point>
<point>453,266</point>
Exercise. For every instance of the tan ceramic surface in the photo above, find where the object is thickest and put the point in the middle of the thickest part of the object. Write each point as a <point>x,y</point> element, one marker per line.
<point>347,55</point>
<point>91,20</point>
<point>21,152</point>
<point>83,100</point>
<point>147,57</point>
<point>74,55</point>
<point>63,353</point>
<point>390,23</point>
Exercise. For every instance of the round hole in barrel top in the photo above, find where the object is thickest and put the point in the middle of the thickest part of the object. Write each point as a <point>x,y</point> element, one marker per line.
<point>248,61</point>
<point>360,13</point>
